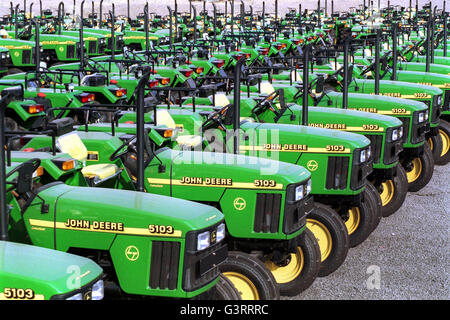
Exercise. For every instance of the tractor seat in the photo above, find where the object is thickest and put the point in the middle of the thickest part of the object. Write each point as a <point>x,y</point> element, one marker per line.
<point>71,144</point>
<point>163,117</point>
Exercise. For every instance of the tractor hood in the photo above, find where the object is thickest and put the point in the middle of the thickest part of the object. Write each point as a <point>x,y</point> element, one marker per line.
<point>128,212</point>
<point>307,139</point>
<point>384,105</point>
<point>220,171</point>
<point>401,89</point>
<point>348,120</point>
<point>43,270</point>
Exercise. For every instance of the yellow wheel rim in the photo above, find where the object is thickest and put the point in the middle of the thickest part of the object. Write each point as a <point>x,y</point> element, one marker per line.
<point>416,170</point>
<point>290,271</point>
<point>322,235</point>
<point>388,192</point>
<point>244,285</point>
<point>352,222</point>
<point>445,142</point>
<point>430,142</point>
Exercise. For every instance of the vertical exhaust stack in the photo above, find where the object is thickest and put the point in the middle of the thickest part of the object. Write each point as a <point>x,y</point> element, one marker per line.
<point>346,75</point>
<point>113,32</point>
<point>146,31</point>
<point>377,62</point>
<point>237,103</point>
<point>394,51</point>
<point>100,13</point>
<point>306,52</point>
<point>170,28</point>
<point>81,37</point>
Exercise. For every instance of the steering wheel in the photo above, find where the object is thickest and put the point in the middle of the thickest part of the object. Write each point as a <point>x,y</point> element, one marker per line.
<point>117,154</point>
<point>264,104</point>
<point>97,67</point>
<point>383,63</point>
<point>26,33</point>
<point>215,119</point>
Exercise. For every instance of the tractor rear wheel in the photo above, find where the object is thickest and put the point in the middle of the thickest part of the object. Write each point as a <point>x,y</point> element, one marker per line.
<point>225,290</point>
<point>332,237</point>
<point>250,277</point>
<point>301,268</point>
<point>444,132</point>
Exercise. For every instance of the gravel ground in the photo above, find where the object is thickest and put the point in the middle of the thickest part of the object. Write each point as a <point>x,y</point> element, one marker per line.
<point>409,251</point>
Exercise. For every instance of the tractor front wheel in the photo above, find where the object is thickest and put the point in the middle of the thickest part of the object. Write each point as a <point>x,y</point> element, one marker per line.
<point>225,290</point>
<point>420,170</point>
<point>250,277</point>
<point>300,269</point>
<point>444,132</point>
<point>393,192</point>
<point>332,237</point>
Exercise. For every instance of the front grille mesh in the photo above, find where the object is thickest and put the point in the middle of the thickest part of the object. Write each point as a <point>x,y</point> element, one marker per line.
<point>164,263</point>
<point>337,173</point>
<point>267,212</point>
<point>376,142</point>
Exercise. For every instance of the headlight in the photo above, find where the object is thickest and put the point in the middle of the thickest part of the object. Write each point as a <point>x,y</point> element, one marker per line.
<point>98,291</point>
<point>423,116</point>
<point>203,240</point>
<point>362,156</point>
<point>439,100</point>
<point>220,235</point>
<point>3,56</point>
<point>299,192</point>
<point>309,186</point>
<point>369,153</point>
<point>400,132</point>
<point>394,136</point>
<point>78,296</point>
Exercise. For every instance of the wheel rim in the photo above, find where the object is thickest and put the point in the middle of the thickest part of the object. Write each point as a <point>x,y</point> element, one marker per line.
<point>352,222</point>
<point>322,235</point>
<point>413,174</point>
<point>287,272</point>
<point>244,285</point>
<point>430,142</point>
<point>445,142</point>
<point>388,192</point>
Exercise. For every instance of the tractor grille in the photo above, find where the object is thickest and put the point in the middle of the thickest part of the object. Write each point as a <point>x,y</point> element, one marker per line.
<point>267,212</point>
<point>446,106</point>
<point>405,122</point>
<point>92,46</point>
<point>26,57</point>
<point>109,45</point>
<point>435,111</point>
<point>376,141</point>
<point>337,173</point>
<point>295,214</point>
<point>70,52</point>
<point>165,259</point>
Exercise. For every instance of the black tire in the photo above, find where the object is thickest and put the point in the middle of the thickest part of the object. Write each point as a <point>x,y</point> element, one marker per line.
<point>246,271</point>
<point>393,192</point>
<point>325,223</point>
<point>444,132</point>
<point>359,221</point>
<point>225,290</point>
<point>374,201</point>
<point>435,144</point>
<point>422,169</point>
<point>308,252</point>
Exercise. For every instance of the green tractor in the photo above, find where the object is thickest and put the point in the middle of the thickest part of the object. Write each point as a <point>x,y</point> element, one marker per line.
<point>265,214</point>
<point>128,247</point>
<point>33,273</point>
